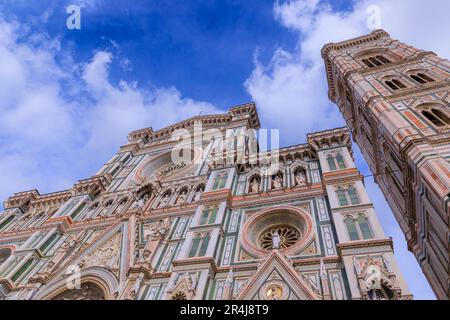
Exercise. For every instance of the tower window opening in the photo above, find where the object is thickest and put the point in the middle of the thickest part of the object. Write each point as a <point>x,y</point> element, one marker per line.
<point>436,117</point>
<point>421,78</point>
<point>375,61</point>
<point>395,84</point>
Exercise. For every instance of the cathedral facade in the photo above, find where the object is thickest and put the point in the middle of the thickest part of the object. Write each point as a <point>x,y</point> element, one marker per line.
<point>147,228</point>
<point>395,100</point>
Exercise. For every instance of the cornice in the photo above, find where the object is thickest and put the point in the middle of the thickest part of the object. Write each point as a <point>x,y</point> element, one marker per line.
<point>288,194</point>
<point>373,36</point>
<point>92,186</point>
<point>195,263</point>
<point>342,247</point>
<point>342,176</point>
<point>340,135</point>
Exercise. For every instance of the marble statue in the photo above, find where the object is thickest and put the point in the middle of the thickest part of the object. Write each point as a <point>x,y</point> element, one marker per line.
<point>276,240</point>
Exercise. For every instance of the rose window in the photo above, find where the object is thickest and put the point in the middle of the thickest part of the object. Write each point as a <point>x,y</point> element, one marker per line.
<point>285,228</point>
<point>288,237</point>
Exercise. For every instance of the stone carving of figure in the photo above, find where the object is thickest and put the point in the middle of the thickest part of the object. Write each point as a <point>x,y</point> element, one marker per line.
<point>159,230</point>
<point>182,197</point>
<point>145,256</point>
<point>106,208</point>
<point>300,179</point>
<point>122,203</point>
<point>254,185</point>
<point>105,256</point>
<point>276,240</point>
<point>274,293</point>
<point>164,200</point>
<point>198,193</point>
<point>278,182</point>
<point>141,201</point>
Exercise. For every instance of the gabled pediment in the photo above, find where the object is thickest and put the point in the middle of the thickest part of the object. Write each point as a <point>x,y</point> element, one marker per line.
<point>276,279</point>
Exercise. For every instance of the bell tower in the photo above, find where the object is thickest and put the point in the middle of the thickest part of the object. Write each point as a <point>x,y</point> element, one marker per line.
<point>395,100</point>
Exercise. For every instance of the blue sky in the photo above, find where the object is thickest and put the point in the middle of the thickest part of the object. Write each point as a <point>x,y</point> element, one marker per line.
<point>69,97</point>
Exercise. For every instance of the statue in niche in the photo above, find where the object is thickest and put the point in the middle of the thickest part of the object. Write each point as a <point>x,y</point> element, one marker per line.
<point>278,182</point>
<point>164,200</point>
<point>254,185</point>
<point>104,212</point>
<point>276,240</point>
<point>142,200</point>
<point>93,206</point>
<point>122,203</point>
<point>198,194</point>
<point>182,197</point>
<point>300,179</point>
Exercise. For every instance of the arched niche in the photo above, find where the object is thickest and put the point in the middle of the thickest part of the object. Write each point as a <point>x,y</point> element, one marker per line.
<point>86,291</point>
<point>95,284</point>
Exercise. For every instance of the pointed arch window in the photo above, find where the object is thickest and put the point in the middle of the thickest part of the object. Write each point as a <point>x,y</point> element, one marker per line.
<point>340,161</point>
<point>421,78</point>
<point>204,245</point>
<point>359,228</point>
<point>436,116</point>
<point>208,215</point>
<point>351,191</point>
<point>220,181</point>
<point>331,163</point>
<point>351,229</point>
<point>383,59</point>
<point>395,84</point>
<point>199,245</point>
<point>336,162</point>
<point>376,61</point>
<point>342,197</point>
<point>364,227</point>
<point>194,247</point>
<point>347,196</point>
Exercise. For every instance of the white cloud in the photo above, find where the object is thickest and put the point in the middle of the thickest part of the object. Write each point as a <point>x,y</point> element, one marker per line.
<point>60,119</point>
<point>291,90</point>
